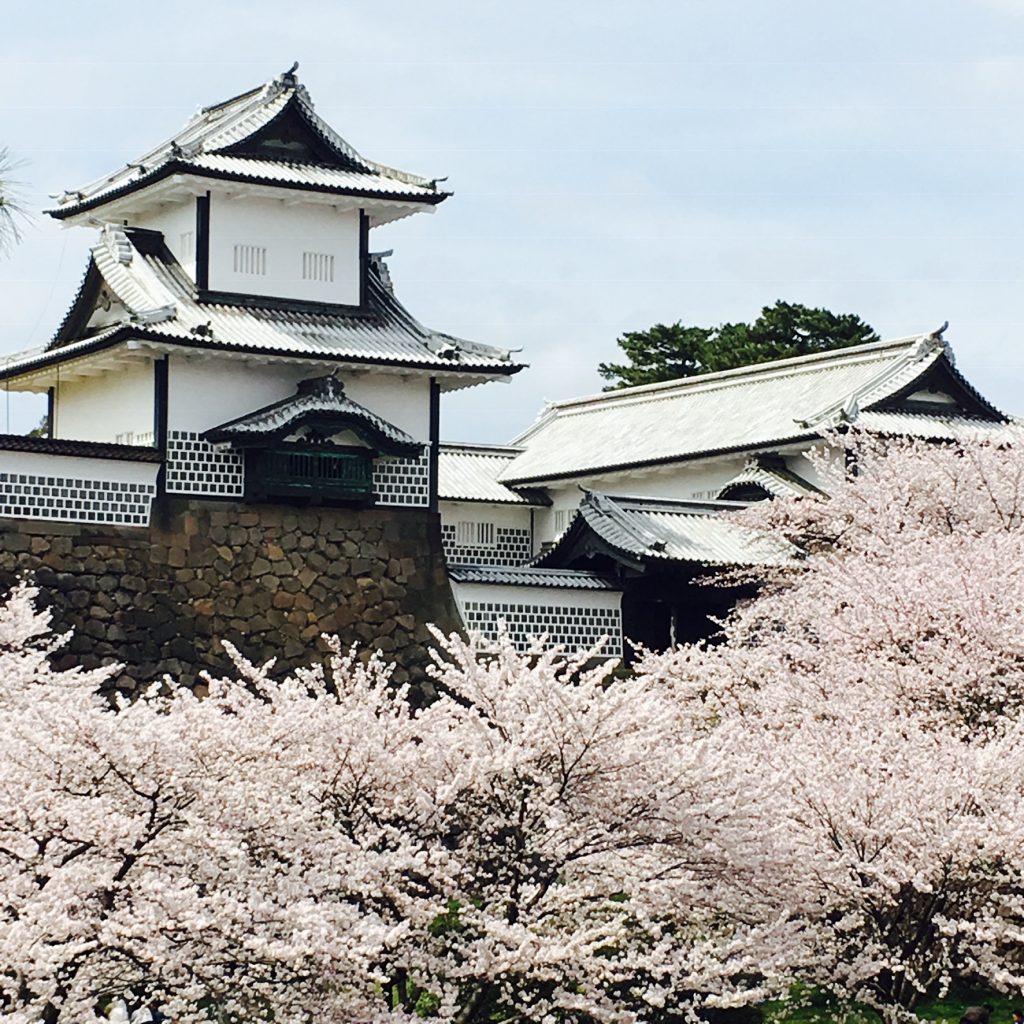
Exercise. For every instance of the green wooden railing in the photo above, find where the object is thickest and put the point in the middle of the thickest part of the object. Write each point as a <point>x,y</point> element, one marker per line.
<point>296,471</point>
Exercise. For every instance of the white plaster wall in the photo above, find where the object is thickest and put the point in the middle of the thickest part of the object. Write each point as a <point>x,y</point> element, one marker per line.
<point>69,468</point>
<point>100,408</point>
<point>403,401</point>
<point>205,391</point>
<point>514,517</point>
<point>565,499</point>
<point>177,223</point>
<point>286,231</point>
<point>687,480</point>
<point>803,467</point>
<point>576,618</point>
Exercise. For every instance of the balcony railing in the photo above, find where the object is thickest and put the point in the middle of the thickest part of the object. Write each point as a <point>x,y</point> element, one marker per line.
<point>299,472</point>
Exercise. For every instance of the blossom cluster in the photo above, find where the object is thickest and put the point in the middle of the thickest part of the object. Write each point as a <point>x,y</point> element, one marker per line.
<point>833,792</point>
<point>872,703</point>
<point>539,841</point>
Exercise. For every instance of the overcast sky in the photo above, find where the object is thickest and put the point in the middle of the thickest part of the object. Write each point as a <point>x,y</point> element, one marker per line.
<point>615,164</point>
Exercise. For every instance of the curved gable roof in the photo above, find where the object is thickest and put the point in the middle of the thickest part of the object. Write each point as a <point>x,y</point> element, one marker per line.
<point>318,402</point>
<point>645,531</point>
<point>158,304</point>
<point>268,135</point>
<point>746,409</point>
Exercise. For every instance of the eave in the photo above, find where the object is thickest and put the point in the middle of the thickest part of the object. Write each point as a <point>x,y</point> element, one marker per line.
<point>79,449</point>
<point>621,467</point>
<point>185,167</point>
<point>161,342</point>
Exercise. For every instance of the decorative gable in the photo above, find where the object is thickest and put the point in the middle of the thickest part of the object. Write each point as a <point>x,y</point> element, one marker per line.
<point>940,390</point>
<point>316,414</point>
<point>291,138</point>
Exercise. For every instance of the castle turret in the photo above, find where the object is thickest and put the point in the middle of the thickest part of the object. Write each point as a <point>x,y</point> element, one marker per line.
<point>233,263</point>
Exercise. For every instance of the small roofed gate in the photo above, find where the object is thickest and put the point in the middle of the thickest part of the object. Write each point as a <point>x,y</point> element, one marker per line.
<point>292,453</point>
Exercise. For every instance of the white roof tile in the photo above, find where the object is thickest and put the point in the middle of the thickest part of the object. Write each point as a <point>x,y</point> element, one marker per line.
<point>310,176</point>
<point>651,529</point>
<point>929,426</point>
<point>162,308</point>
<point>744,409</point>
<point>467,472</point>
<point>199,147</point>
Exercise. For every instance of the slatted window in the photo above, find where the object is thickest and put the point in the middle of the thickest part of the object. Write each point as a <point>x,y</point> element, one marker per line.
<point>317,266</point>
<point>563,517</point>
<point>187,245</point>
<point>480,535</point>
<point>250,259</point>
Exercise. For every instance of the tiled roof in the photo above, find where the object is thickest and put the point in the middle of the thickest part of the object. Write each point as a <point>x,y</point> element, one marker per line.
<point>162,308</point>
<point>929,426</point>
<point>745,409</point>
<point>318,400</point>
<point>79,449</point>
<point>469,472</point>
<point>530,577</point>
<point>312,176</point>
<point>774,477</point>
<point>655,530</point>
<point>206,146</point>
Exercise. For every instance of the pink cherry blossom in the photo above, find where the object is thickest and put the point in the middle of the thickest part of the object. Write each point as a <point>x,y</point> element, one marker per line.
<point>872,703</point>
<point>540,841</point>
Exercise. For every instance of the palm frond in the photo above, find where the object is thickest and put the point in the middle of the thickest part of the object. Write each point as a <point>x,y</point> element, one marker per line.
<point>13,211</point>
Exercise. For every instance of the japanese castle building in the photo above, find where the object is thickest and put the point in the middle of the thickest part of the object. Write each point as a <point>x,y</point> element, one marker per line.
<point>236,338</point>
<point>635,487</point>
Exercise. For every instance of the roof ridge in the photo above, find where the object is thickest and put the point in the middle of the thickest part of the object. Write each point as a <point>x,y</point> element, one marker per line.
<point>737,374</point>
<point>705,505</point>
<point>479,447</point>
<point>167,147</point>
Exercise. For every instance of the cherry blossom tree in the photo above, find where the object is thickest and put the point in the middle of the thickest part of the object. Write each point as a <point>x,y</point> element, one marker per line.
<point>185,853</point>
<point>540,843</point>
<point>872,702</point>
<point>590,831</point>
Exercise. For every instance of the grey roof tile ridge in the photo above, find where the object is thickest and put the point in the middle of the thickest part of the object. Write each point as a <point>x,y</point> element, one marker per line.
<point>481,448</point>
<point>875,389</point>
<point>739,374</point>
<point>696,506</point>
<point>600,511</point>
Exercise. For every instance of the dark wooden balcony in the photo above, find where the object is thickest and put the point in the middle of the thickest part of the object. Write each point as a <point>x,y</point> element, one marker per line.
<point>295,472</point>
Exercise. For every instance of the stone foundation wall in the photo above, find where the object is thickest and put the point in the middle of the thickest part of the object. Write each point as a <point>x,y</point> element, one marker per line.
<point>270,579</point>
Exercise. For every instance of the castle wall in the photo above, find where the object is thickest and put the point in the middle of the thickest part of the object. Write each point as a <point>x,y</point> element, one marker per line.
<point>265,247</point>
<point>479,532</point>
<point>205,390</point>
<point>270,579</point>
<point>177,223</point>
<point>116,406</point>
